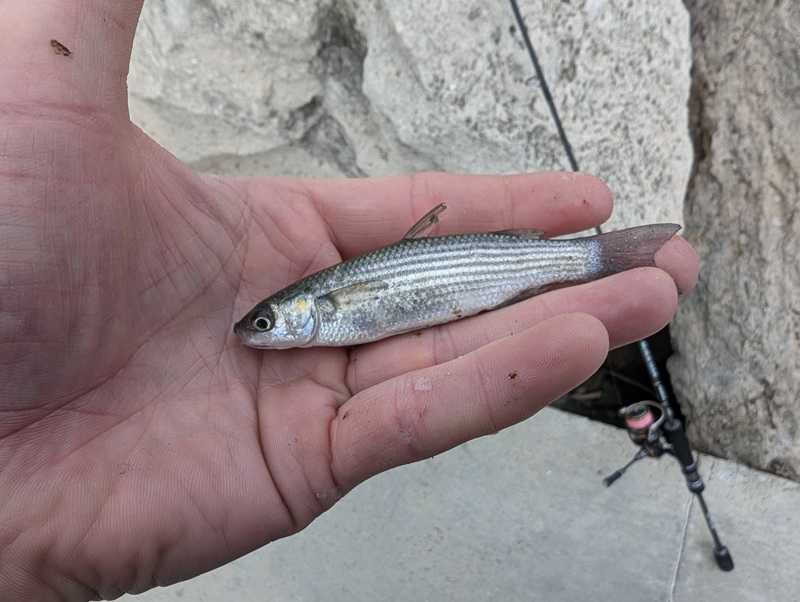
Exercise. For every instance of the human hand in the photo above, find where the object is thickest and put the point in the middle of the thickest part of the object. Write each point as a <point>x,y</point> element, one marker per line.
<point>139,443</point>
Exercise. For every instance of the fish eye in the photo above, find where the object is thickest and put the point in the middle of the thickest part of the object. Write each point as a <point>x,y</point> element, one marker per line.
<point>263,320</point>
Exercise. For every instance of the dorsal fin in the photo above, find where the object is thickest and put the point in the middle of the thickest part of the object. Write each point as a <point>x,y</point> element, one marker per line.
<point>523,232</point>
<point>426,223</point>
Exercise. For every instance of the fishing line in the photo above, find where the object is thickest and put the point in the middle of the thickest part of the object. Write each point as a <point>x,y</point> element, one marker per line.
<point>630,381</point>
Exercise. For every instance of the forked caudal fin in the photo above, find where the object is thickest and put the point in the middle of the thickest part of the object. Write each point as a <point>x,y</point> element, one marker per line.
<point>632,248</point>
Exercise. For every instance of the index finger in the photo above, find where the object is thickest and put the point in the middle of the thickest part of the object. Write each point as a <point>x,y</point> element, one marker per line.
<point>364,214</point>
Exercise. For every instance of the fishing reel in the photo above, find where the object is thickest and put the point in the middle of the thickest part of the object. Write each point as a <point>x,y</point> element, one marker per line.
<point>645,422</point>
<point>656,431</point>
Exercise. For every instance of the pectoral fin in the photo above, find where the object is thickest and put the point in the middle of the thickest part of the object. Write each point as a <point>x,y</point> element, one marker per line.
<point>354,294</point>
<point>426,223</point>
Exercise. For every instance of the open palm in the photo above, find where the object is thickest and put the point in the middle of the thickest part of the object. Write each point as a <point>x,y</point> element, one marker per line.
<point>139,443</point>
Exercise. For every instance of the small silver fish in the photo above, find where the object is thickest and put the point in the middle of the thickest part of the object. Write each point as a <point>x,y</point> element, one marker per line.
<point>425,281</point>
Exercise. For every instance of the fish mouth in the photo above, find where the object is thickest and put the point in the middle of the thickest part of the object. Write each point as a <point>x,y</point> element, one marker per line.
<point>241,331</point>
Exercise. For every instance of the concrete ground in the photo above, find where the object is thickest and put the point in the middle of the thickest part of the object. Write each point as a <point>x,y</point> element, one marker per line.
<point>523,515</point>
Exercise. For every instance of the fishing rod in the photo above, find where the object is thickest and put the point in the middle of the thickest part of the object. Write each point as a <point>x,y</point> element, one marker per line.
<point>653,426</point>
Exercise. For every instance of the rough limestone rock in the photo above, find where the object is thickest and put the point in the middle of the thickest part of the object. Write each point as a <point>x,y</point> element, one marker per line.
<point>737,337</point>
<point>369,87</point>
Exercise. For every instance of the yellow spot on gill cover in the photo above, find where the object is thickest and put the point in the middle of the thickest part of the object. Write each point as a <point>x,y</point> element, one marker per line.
<point>300,305</point>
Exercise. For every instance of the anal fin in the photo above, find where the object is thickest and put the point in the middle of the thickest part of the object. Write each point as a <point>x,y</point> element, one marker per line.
<point>521,296</point>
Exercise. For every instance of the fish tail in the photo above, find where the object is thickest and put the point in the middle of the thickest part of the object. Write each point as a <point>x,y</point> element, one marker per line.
<point>632,248</point>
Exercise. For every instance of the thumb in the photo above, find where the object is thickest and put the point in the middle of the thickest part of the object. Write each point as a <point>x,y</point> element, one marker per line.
<point>67,54</point>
